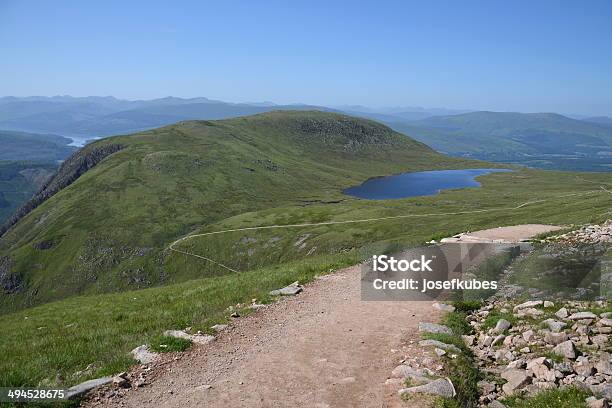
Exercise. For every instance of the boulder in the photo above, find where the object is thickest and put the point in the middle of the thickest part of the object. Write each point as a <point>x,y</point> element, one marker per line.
<point>195,338</point>
<point>582,316</point>
<point>555,338</point>
<point>562,313</point>
<point>289,290</point>
<point>555,325</point>
<point>442,387</point>
<point>593,402</point>
<point>528,304</point>
<point>143,355</point>
<point>440,345</point>
<point>443,307</point>
<point>565,349</point>
<point>502,325</point>
<point>516,379</point>
<point>84,387</point>
<point>434,328</point>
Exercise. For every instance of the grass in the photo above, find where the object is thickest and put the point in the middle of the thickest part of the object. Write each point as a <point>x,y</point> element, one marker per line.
<point>166,344</point>
<point>55,340</point>
<point>559,398</point>
<point>461,370</point>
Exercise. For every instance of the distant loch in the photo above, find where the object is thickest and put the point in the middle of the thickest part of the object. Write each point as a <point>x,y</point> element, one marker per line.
<point>416,184</point>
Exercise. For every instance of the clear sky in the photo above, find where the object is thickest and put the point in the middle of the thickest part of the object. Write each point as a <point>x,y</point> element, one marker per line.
<point>492,54</point>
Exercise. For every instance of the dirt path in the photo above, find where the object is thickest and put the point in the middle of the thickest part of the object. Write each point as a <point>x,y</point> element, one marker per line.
<point>322,348</point>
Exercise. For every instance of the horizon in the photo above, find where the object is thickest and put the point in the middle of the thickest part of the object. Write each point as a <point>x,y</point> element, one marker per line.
<point>519,57</point>
<point>347,107</point>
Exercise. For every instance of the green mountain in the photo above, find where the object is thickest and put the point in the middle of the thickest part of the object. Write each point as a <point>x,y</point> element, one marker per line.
<point>105,219</point>
<point>26,162</point>
<point>544,140</point>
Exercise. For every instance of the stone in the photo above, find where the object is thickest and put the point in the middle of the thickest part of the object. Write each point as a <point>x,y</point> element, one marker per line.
<point>564,367</point>
<point>497,340</point>
<point>219,327</point>
<point>555,325</point>
<point>593,402</point>
<point>582,316</point>
<point>485,387</point>
<point>516,379</point>
<point>442,387</point>
<point>600,339</point>
<point>525,350</point>
<point>605,322</point>
<point>604,390</point>
<point>528,335</point>
<point>440,345</point>
<point>496,404</point>
<point>439,352</point>
<point>443,307</point>
<point>289,290</point>
<point>143,355</point>
<point>565,349</point>
<point>528,304</point>
<point>502,325</point>
<point>85,387</point>
<point>604,366</point>
<point>584,369</point>
<point>120,380</point>
<point>417,374</point>
<point>529,312</point>
<point>548,303</point>
<point>562,313</point>
<point>434,328</point>
<point>468,340</point>
<point>555,338</point>
<point>195,338</point>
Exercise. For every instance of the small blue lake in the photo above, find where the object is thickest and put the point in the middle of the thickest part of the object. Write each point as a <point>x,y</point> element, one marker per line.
<point>422,183</point>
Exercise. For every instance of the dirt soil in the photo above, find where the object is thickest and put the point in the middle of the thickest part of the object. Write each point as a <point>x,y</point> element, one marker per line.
<point>322,348</point>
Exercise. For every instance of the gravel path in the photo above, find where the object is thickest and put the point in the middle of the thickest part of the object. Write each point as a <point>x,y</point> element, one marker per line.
<point>322,348</point>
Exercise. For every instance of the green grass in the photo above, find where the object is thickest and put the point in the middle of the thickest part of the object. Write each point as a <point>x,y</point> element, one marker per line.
<point>457,322</point>
<point>166,344</point>
<point>60,338</point>
<point>559,398</point>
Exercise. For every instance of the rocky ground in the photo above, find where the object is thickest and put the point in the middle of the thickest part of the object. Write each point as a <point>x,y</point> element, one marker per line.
<point>525,340</point>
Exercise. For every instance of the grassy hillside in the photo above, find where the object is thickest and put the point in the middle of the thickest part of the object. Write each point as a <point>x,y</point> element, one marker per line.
<point>52,344</point>
<point>109,229</point>
<point>544,140</point>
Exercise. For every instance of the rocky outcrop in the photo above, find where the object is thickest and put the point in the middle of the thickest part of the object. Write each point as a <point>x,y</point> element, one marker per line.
<point>73,168</point>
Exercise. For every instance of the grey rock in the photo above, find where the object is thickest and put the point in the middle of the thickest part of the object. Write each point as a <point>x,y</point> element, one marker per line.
<point>502,325</point>
<point>219,327</point>
<point>497,340</point>
<point>564,367</point>
<point>143,355</point>
<point>434,328</point>
<point>565,349</point>
<point>485,387</point>
<point>442,387</point>
<point>606,322</point>
<point>439,352</point>
<point>195,338</point>
<point>496,404</point>
<point>548,303</point>
<point>593,402</point>
<point>528,304</point>
<point>528,335</point>
<point>562,313</point>
<point>555,325</point>
<point>87,386</point>
<point>529,312</point>
<point>443,307</point>
<point>289,290</point>
<point>555,338</point>
<point>604,366</point>
<point>516,379</point>
<point>582,316</point>
<point>440,345</point>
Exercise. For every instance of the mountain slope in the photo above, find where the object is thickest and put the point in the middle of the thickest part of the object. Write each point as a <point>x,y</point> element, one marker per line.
<point>103,222</point>
<point>539,139</point>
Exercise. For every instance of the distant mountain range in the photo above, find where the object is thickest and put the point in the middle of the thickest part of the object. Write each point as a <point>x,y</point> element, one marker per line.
<point>545,140</point>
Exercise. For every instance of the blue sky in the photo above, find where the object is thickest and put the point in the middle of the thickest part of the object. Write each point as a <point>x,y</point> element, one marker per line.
<point>497,55</point>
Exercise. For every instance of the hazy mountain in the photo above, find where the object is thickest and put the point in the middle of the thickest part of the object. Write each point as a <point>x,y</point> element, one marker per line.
<point>602,120</point>
<point>545,140</point>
